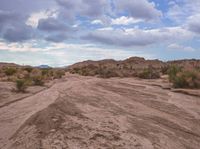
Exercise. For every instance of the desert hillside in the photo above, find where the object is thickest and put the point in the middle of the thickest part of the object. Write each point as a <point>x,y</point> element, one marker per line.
<point>131,67</point>
<point>51,108</point>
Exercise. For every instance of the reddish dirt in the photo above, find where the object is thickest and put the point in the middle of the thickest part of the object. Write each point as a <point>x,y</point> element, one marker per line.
<point>91,113</point>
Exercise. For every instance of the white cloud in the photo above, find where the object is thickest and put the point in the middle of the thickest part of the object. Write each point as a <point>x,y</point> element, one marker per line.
<point>31,46</point>
<point>180,47</point>
<point>70,53</point>
<point>138,37</point>
<point>97,22</point>
<point>75,25</point>
<point>175,12</point>
<point>105,29</point>
<point>123,20</point>
<point>62,54</point>
<point>35,17</point>
<point>179,11</point>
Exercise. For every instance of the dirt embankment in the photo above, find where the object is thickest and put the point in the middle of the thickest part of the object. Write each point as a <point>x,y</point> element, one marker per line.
<point>88,112</point>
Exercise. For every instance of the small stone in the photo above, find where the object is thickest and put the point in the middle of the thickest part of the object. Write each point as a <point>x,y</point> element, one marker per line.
<point>52,130</point>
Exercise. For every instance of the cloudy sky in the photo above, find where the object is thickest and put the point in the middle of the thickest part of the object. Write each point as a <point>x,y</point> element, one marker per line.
<point>62,32</point>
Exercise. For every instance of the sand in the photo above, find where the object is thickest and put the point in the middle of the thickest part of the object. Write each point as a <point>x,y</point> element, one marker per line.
<point>92,113</point>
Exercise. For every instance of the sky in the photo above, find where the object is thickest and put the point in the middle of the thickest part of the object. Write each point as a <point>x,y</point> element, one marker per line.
<point>63,32</point>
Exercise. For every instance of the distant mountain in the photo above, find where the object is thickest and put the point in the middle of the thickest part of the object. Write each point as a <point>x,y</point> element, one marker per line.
<point>2,64</point>
<point>43,66</point>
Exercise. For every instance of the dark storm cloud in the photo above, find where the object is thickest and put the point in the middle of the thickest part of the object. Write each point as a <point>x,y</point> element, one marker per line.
<point>7,16</point>
<point>69,4</point>
<point>26,7</point>
<point>14,14</point>
<point>13,17</point>
<point>56,30</point>
<point>195,27</point>
<point>95,8</point>
<point>88,8</point>
<point>194,24</point>
<point>13,28</point>
<point>52,24</point>
<point>18,33</point>
<point>57,37</point>
<point>141,9</point>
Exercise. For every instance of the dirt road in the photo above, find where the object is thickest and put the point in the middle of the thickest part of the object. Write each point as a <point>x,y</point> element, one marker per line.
<point>93,113</point>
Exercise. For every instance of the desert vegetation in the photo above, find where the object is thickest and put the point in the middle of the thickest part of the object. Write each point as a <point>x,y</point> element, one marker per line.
<point>29,76</point>
<point>182,73</point>
<point>184,78</point>
<point>9,71</point>
<point>21,85</point>
<point>149,73</point>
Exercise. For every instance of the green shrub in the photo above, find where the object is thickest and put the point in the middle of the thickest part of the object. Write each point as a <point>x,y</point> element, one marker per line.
<point>149,73</point>
<point>184,78</point>
<point>12,78</point>
<point>107,73</point>
<point>75,70</point>
<point>10,71</point>
<point>21,85</point>
<point>46,71</point>
<point>58,74</point>
<point>165,69</point>
<point>179,81</point>
<point>197,68</point>
<point>84,72</point>
<point>28,69</point>
<point>172,72</point>
<point>38,80</point>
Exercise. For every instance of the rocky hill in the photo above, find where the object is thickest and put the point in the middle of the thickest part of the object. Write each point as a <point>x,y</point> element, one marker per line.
<point>132,66</point>
<point>186,63</point>
<point>110,68</point>
<point>8,65</point>
<point>130,63</point>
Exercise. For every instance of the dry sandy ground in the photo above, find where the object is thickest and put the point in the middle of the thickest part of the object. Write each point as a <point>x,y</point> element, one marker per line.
<point>8,95</point>
<point>92,113</point>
